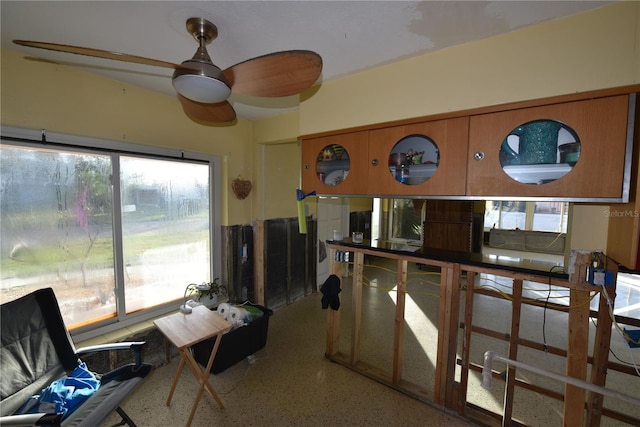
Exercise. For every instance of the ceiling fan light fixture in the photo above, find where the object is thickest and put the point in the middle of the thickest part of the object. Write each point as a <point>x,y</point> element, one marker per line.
<point>207,85</point>
<point>202,89</point>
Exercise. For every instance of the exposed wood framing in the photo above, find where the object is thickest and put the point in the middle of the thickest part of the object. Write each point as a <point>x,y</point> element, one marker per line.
<point>258,261</point>
<point>398,338</point>
<point>516,305</point>
<point>580,408</point>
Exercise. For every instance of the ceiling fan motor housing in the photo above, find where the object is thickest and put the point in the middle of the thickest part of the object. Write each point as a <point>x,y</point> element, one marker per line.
<point>204,83</point>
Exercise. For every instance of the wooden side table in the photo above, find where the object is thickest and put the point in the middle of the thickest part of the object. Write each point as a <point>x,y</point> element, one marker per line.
<point>185,330</point>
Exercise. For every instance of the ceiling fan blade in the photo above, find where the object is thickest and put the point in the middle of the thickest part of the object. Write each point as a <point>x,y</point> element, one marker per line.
<point>222,112</point>
<point>276,74</point>
<point>105,54</point>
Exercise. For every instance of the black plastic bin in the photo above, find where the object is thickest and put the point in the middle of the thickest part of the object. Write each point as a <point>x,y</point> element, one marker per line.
<point>235,345</point>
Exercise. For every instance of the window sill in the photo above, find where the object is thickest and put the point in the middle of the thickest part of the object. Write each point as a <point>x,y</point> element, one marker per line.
<point>121,334</point>
<point>127,332</point>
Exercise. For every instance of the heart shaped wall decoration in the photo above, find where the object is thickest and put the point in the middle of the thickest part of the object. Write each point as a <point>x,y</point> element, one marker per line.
<point>241,188</point>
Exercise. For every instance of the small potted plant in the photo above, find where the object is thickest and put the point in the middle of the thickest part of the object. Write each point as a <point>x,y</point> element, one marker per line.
<point>207,293</point>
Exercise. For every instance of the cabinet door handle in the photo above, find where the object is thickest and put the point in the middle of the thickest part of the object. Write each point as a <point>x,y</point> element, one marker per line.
<point>305,166</point>
<point>374,162</point>
<point>478,155</point>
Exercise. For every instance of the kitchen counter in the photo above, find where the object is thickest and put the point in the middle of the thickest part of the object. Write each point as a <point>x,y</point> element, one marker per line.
<point>499,262</point>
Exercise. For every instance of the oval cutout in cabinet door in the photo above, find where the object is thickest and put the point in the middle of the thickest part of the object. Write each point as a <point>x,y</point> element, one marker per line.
<point>414,159</point>
<point>539,151</point>
<point>332,165</point>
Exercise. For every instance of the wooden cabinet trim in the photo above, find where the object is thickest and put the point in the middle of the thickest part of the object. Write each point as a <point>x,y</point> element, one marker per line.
<point>598,117</point>
<point>450,137</point>
<point>593,120</point>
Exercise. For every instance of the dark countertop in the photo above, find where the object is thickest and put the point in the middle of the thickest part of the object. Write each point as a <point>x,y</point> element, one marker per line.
<point>521,265</point>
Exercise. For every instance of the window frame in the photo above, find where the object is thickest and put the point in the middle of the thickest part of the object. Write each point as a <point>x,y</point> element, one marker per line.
<point>90,145</point>
<point>383,217</point>
<point>529,216</point>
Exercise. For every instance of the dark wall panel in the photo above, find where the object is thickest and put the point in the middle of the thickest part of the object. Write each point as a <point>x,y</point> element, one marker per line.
<point>297,264</point>
<point>276,245</point>
<point>312,251</point>
<point>289,261</point>
<point>237,261</point>
<point>360,221</point>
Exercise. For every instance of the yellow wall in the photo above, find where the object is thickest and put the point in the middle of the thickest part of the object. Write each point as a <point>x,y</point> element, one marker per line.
<point>280,190</point>
<point>358,204</point>
<point>593,50</point>
<point>39,95</point>
<point>275,143</point>
<point>588,217</point>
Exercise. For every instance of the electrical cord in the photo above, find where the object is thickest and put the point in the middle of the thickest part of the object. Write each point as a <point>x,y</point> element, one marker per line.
<point>622,333</point>
<point>595,325</point>
<point>251,361</point>
<point>508,297</point>
<point>544,312</point>
<point>544,319</point>
<point>411,278</point>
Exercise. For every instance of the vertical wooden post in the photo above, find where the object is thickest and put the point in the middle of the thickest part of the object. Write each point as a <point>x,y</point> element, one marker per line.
<point>444,392</point>
<point>398,336</point>
<point>440,380</point>
<point>333,316</point>
<point>466,341</point>
<point>516,306</point>
<point>258,262</point>
<point>333,332</point>
<point>601,350</point>
<point>577,356</point>
<point>356,305</point>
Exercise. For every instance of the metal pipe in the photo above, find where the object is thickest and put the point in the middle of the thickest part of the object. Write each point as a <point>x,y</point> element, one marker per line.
<point>490,356</point>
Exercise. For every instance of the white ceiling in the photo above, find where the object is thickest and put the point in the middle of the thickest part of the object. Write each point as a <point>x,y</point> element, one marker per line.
<point>351,36</point>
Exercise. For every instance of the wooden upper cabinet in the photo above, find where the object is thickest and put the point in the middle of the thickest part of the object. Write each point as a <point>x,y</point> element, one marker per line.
<point>421,159</point>
<point>595,171</point>
<point>574,147</point>
<point>335,164</point>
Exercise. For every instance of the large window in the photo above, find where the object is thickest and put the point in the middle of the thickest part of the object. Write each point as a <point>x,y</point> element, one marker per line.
<point>538,216</point>
<point>116,235</point>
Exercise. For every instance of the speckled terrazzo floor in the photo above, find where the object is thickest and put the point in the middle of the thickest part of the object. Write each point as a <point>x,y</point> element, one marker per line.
<point>290,383</point>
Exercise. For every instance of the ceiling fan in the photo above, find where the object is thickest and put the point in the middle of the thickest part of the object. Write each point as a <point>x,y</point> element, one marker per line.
<point>203,88</point>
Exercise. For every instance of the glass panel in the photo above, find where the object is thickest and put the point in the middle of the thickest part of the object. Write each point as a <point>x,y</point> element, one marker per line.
<point>551,216</point>
<point>540,151</point>
<point>332,165</point>
<point>165,223</point>
<point>414,159</point>
<point>542,216</point>
<point>56,229</point>
<point>513,215</point>
<point>407,219</point>
<point>491,215</point>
